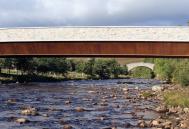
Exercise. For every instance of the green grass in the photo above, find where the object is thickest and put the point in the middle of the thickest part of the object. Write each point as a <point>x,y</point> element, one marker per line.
<point>147,94</point>
<point>177,98</point>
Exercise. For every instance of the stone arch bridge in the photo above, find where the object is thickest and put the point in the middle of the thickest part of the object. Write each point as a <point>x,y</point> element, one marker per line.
<point>140,64</point>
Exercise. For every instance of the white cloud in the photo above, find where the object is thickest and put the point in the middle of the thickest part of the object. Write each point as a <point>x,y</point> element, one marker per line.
<point>92,12</point>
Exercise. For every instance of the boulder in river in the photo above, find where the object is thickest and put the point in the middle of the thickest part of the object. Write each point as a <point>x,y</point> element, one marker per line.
<point>142,124</point>
<point>22,120</point>
<point>91,92</point>
<point>125,89</point>
<point>12,101</point>
<point>30,111</point>
<point>167,125</point>
<point>161,109</point>
<point>67,127</point>
<point>155,123</point>
<point>184,124</point>
<point>103,104</point>
<point>186,110</point>
<point>136,88</point>
<point>157,88</point>
<point>68,102</point>
<point>79,109</point>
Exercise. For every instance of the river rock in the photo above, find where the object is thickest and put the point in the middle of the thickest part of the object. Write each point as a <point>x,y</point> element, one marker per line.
<point>45,115</point>
<point>80,109</point>
<point>155,122</point>
<point>142,124</point>
<point>184,124</point>
<point>104,100</point>
<point>175,110</point>
<point>11,101</point>
<point>29,111</point>
<point>136,88</point>
<point>91,92</point>
<point>157,88</point>
<point>116,106</point>
<point>103,104</point>
<point>62,121</point>
<point>67,127</point>
<point>113,95</point>
<point>101,118</point>
<point>161,109</point>
<point>127,125</point>
<point>67,102</point>
<point>22,120</point>
<point>186,110</point>
<point>167,125</point>
<point>125,89</point>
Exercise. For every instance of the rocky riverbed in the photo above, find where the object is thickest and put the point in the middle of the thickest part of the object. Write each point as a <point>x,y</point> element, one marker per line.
<point>102,104</point>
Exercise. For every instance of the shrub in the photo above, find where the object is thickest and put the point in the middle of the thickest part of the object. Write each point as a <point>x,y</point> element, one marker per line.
<point>181,72</point>
<point>177,98</point>
<point>164,69</point>
<point>80,66</point>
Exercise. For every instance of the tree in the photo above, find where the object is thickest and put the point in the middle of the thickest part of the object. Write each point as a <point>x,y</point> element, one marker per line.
<point>115,67</point>
<point>102,68</point>
<point>8,64</point>
<point>124,70</point>
<point>25,65</point>
<point>71,64</point>
<point>89,68</point>
<point>42,65</point>
<point>54,65</point>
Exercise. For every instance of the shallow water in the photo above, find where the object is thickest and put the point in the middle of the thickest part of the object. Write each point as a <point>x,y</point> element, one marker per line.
<point>105,103</point>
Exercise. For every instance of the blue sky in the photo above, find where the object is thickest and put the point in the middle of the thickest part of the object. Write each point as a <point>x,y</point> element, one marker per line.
<point>35,13</point>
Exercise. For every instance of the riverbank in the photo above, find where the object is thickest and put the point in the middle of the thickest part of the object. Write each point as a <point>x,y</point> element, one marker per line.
<point>173,107</point>
<point>14,78</point>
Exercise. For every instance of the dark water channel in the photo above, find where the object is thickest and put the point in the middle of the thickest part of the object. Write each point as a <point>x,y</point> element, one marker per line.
<point>105,102</point>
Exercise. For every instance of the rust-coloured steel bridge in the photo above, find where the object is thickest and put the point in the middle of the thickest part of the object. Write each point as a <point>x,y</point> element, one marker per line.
<point>96,42</point>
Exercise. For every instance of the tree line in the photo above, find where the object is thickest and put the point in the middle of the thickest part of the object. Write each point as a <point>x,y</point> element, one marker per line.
<point>172,70</point>
<point>93,68</point>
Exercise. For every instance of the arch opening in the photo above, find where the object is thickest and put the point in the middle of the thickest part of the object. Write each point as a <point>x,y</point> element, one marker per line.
<point>142,72</point>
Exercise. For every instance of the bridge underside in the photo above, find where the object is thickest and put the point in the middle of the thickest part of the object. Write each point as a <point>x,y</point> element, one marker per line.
<point>95,48</point>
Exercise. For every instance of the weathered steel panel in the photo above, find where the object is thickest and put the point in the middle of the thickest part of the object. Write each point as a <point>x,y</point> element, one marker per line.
<point>96,48</point>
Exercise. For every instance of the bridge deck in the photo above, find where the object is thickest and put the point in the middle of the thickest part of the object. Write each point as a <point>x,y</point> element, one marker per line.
<point>96,41</point>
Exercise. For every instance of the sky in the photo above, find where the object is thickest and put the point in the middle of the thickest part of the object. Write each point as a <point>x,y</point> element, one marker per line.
<point>42,13</point>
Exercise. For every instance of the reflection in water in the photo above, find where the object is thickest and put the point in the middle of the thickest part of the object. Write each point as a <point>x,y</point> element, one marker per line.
<point>81,104</point>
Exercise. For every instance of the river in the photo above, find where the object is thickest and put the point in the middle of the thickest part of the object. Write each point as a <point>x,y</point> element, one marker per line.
<point>105,103</point>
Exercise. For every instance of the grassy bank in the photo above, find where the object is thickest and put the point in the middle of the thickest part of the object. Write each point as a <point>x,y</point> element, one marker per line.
<point>177,96</point>
<point>13,77</point>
